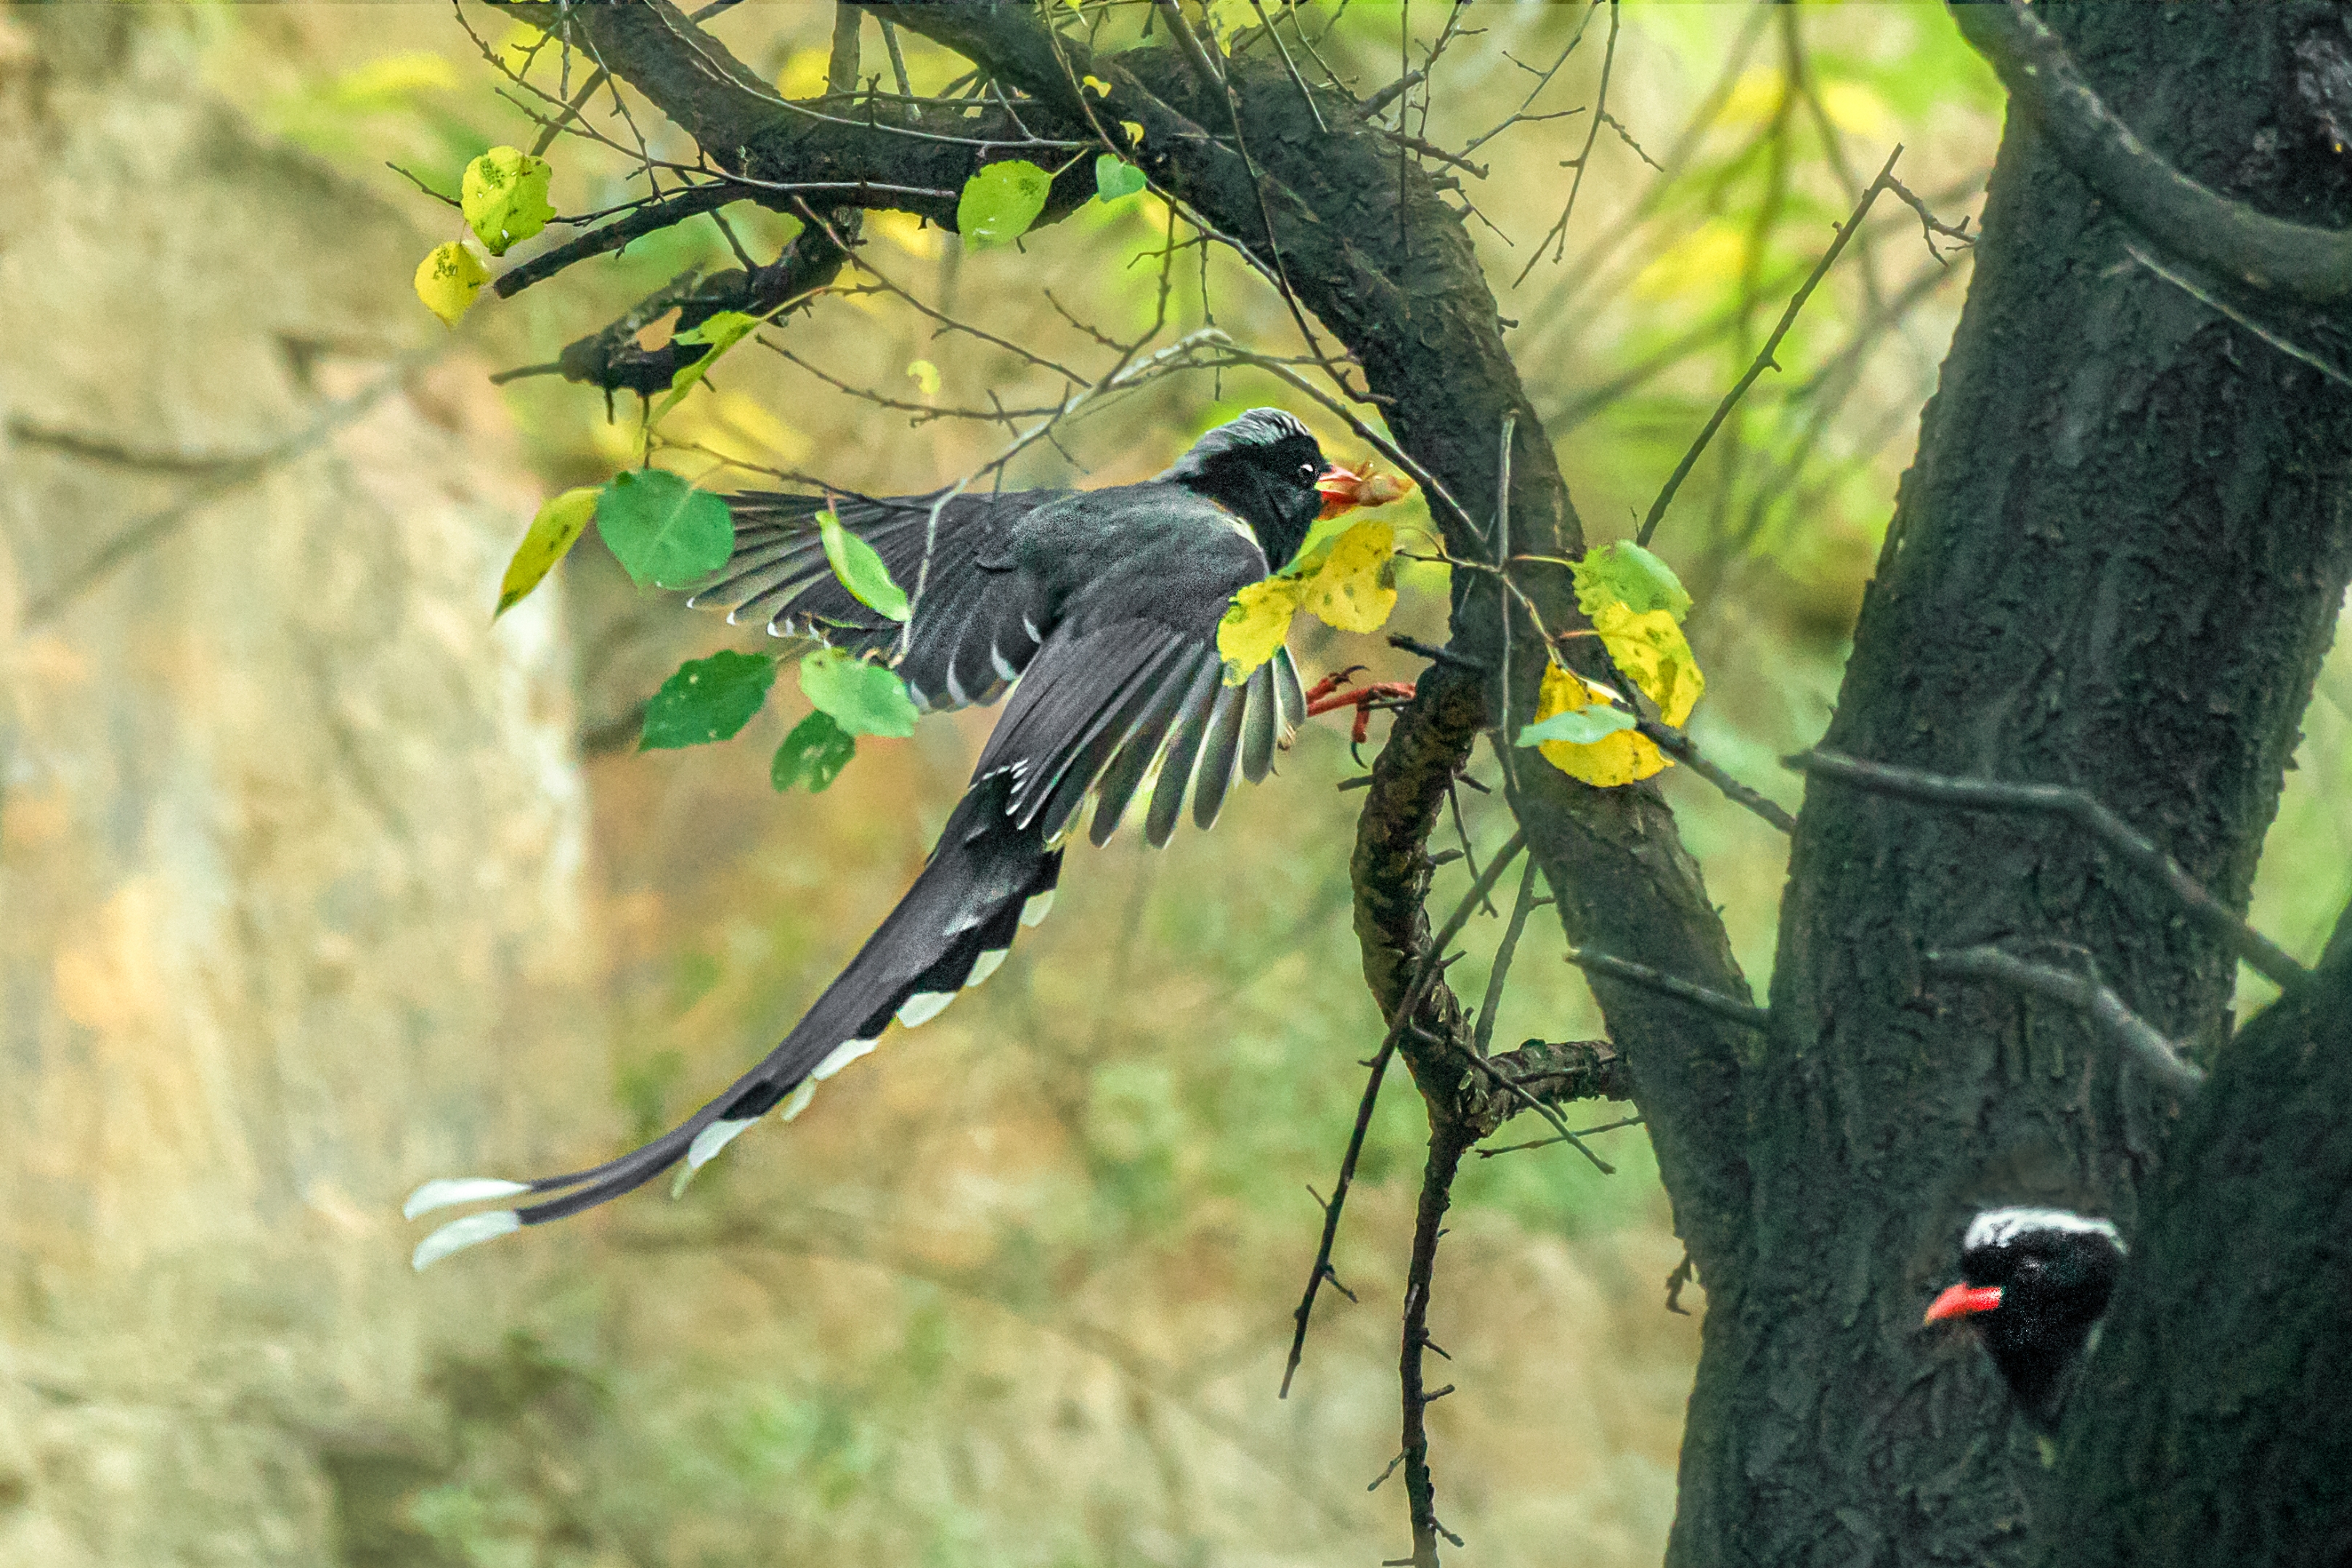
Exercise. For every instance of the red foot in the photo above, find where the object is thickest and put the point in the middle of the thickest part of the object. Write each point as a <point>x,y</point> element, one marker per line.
<point>1328,685</point>
<point>1324,699</point>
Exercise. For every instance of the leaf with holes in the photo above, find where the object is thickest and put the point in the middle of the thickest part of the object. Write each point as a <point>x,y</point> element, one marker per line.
<point>448,278</point>
<point>859,567</point>
<point>1653,654</point>
<point>661,530</point>
<point>1255,623</point>
<point>862,698</point>
<point>813,754</point>
<point>553,533</point>
<point>707,699</point>
<point>1355,589</point>
<point>504,197</point>
<point>999,203</point>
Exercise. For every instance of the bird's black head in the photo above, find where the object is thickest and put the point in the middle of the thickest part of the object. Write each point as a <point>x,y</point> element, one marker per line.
<point>1261,467</point>
<point>2035,1282</point>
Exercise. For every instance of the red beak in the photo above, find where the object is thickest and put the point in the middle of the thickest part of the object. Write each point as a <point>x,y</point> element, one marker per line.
<point>1962,1301</point>
<point>1338,487</point>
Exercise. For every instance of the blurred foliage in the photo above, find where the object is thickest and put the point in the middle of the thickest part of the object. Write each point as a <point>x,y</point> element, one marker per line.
<point>1018,1290</point>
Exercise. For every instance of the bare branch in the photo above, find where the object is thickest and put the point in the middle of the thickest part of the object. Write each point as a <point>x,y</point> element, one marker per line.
<point>2310,265</point>
<point>2265,957</point>
<point>1650,979</point>
<point>2142,1040</point>
<point>1764,360</point>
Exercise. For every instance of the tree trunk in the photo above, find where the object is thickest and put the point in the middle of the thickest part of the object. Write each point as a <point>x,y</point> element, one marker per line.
<point>2115,564</point>
<point>2213,1427</point>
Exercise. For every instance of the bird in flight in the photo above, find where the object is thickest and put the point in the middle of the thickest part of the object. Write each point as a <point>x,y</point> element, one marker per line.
<point>2035,1282</point>
<point>1099,610</point>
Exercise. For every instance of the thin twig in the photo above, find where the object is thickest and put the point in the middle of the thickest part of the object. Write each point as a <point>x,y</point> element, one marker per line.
<point>1430,967</point>
<point>1678,745</point>
<point>1557,236</point>
<point>1763,360</point>
<point>2265,957</point>
<point>1447,1140</point>
<point>2127,1029</point>
<point>1650,979</point>
<point>1504,950</point>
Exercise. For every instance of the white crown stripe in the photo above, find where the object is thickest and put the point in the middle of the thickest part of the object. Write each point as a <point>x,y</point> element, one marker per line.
<point>1999,1227</point>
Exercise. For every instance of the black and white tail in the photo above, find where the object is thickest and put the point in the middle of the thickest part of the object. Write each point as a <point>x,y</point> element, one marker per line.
<point>988,876</point>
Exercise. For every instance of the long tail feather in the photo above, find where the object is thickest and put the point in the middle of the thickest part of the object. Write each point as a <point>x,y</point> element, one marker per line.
<point>987,877</point>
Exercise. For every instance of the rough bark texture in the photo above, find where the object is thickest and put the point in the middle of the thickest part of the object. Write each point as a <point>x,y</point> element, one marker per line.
<point>286,833</point>
<point>2213,1427</point>
<point>2115,564</point>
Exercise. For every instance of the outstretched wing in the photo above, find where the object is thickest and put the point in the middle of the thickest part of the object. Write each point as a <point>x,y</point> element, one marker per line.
<point>1124,699</point>
<point>976,626</point>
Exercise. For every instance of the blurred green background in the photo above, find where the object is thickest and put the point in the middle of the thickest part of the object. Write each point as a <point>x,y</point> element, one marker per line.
<point>315,883</point>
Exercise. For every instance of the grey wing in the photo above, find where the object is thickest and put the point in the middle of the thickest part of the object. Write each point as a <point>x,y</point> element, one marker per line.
<point>976,625</point>
<point>1136,713</point>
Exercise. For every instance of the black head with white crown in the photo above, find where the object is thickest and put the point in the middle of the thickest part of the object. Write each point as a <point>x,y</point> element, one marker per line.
<point>1261,467</point>
<point>2035,1282</point>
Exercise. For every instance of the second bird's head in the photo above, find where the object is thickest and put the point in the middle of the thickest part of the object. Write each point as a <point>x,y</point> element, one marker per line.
<point>2035,1282</point>
<point>1263,468</point>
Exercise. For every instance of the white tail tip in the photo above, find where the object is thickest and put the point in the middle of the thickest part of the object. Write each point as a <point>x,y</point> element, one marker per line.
<point>1037,908</point>
<point>449,1190</point>
<point>460,1234</point>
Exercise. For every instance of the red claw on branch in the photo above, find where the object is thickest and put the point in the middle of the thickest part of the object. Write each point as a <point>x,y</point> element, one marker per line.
<point>1326,698</point>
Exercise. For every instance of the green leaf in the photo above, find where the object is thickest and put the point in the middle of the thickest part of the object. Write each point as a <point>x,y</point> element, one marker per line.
<point>707,699</point>
<point>722,330</point>
<point>504,197</point>
<point>1625,573</point>
<point>1001,201</point>
<point>862,698</point>
<point>859,567</point>
<point>926,375</point>
<point>813,754</point>
<point>661,530</point>
<point>1577,726</point>
<point>1116,177</point>
<point>553,532</point>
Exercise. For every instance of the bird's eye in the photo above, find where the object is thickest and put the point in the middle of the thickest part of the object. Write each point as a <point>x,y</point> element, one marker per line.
<point>1307,470</point>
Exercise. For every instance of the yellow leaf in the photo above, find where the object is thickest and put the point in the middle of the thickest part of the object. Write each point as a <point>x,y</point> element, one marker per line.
<point>448,280</point>
<point>1095,85</point>
<point>1755,99</point>
<point>926,375</point>
<point>1347,592</point>
<point>553,532</point>
<point>1256,624</point>
<point>1650,649</point>
<point>1621,756</point>
<point>1134,130</point>
<point>505,197</point>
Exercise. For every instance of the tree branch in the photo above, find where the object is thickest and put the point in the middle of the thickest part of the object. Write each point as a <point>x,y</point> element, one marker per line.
<point>2265,957</point>
<point>2142,1040</point>
<point>2310,265</point>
